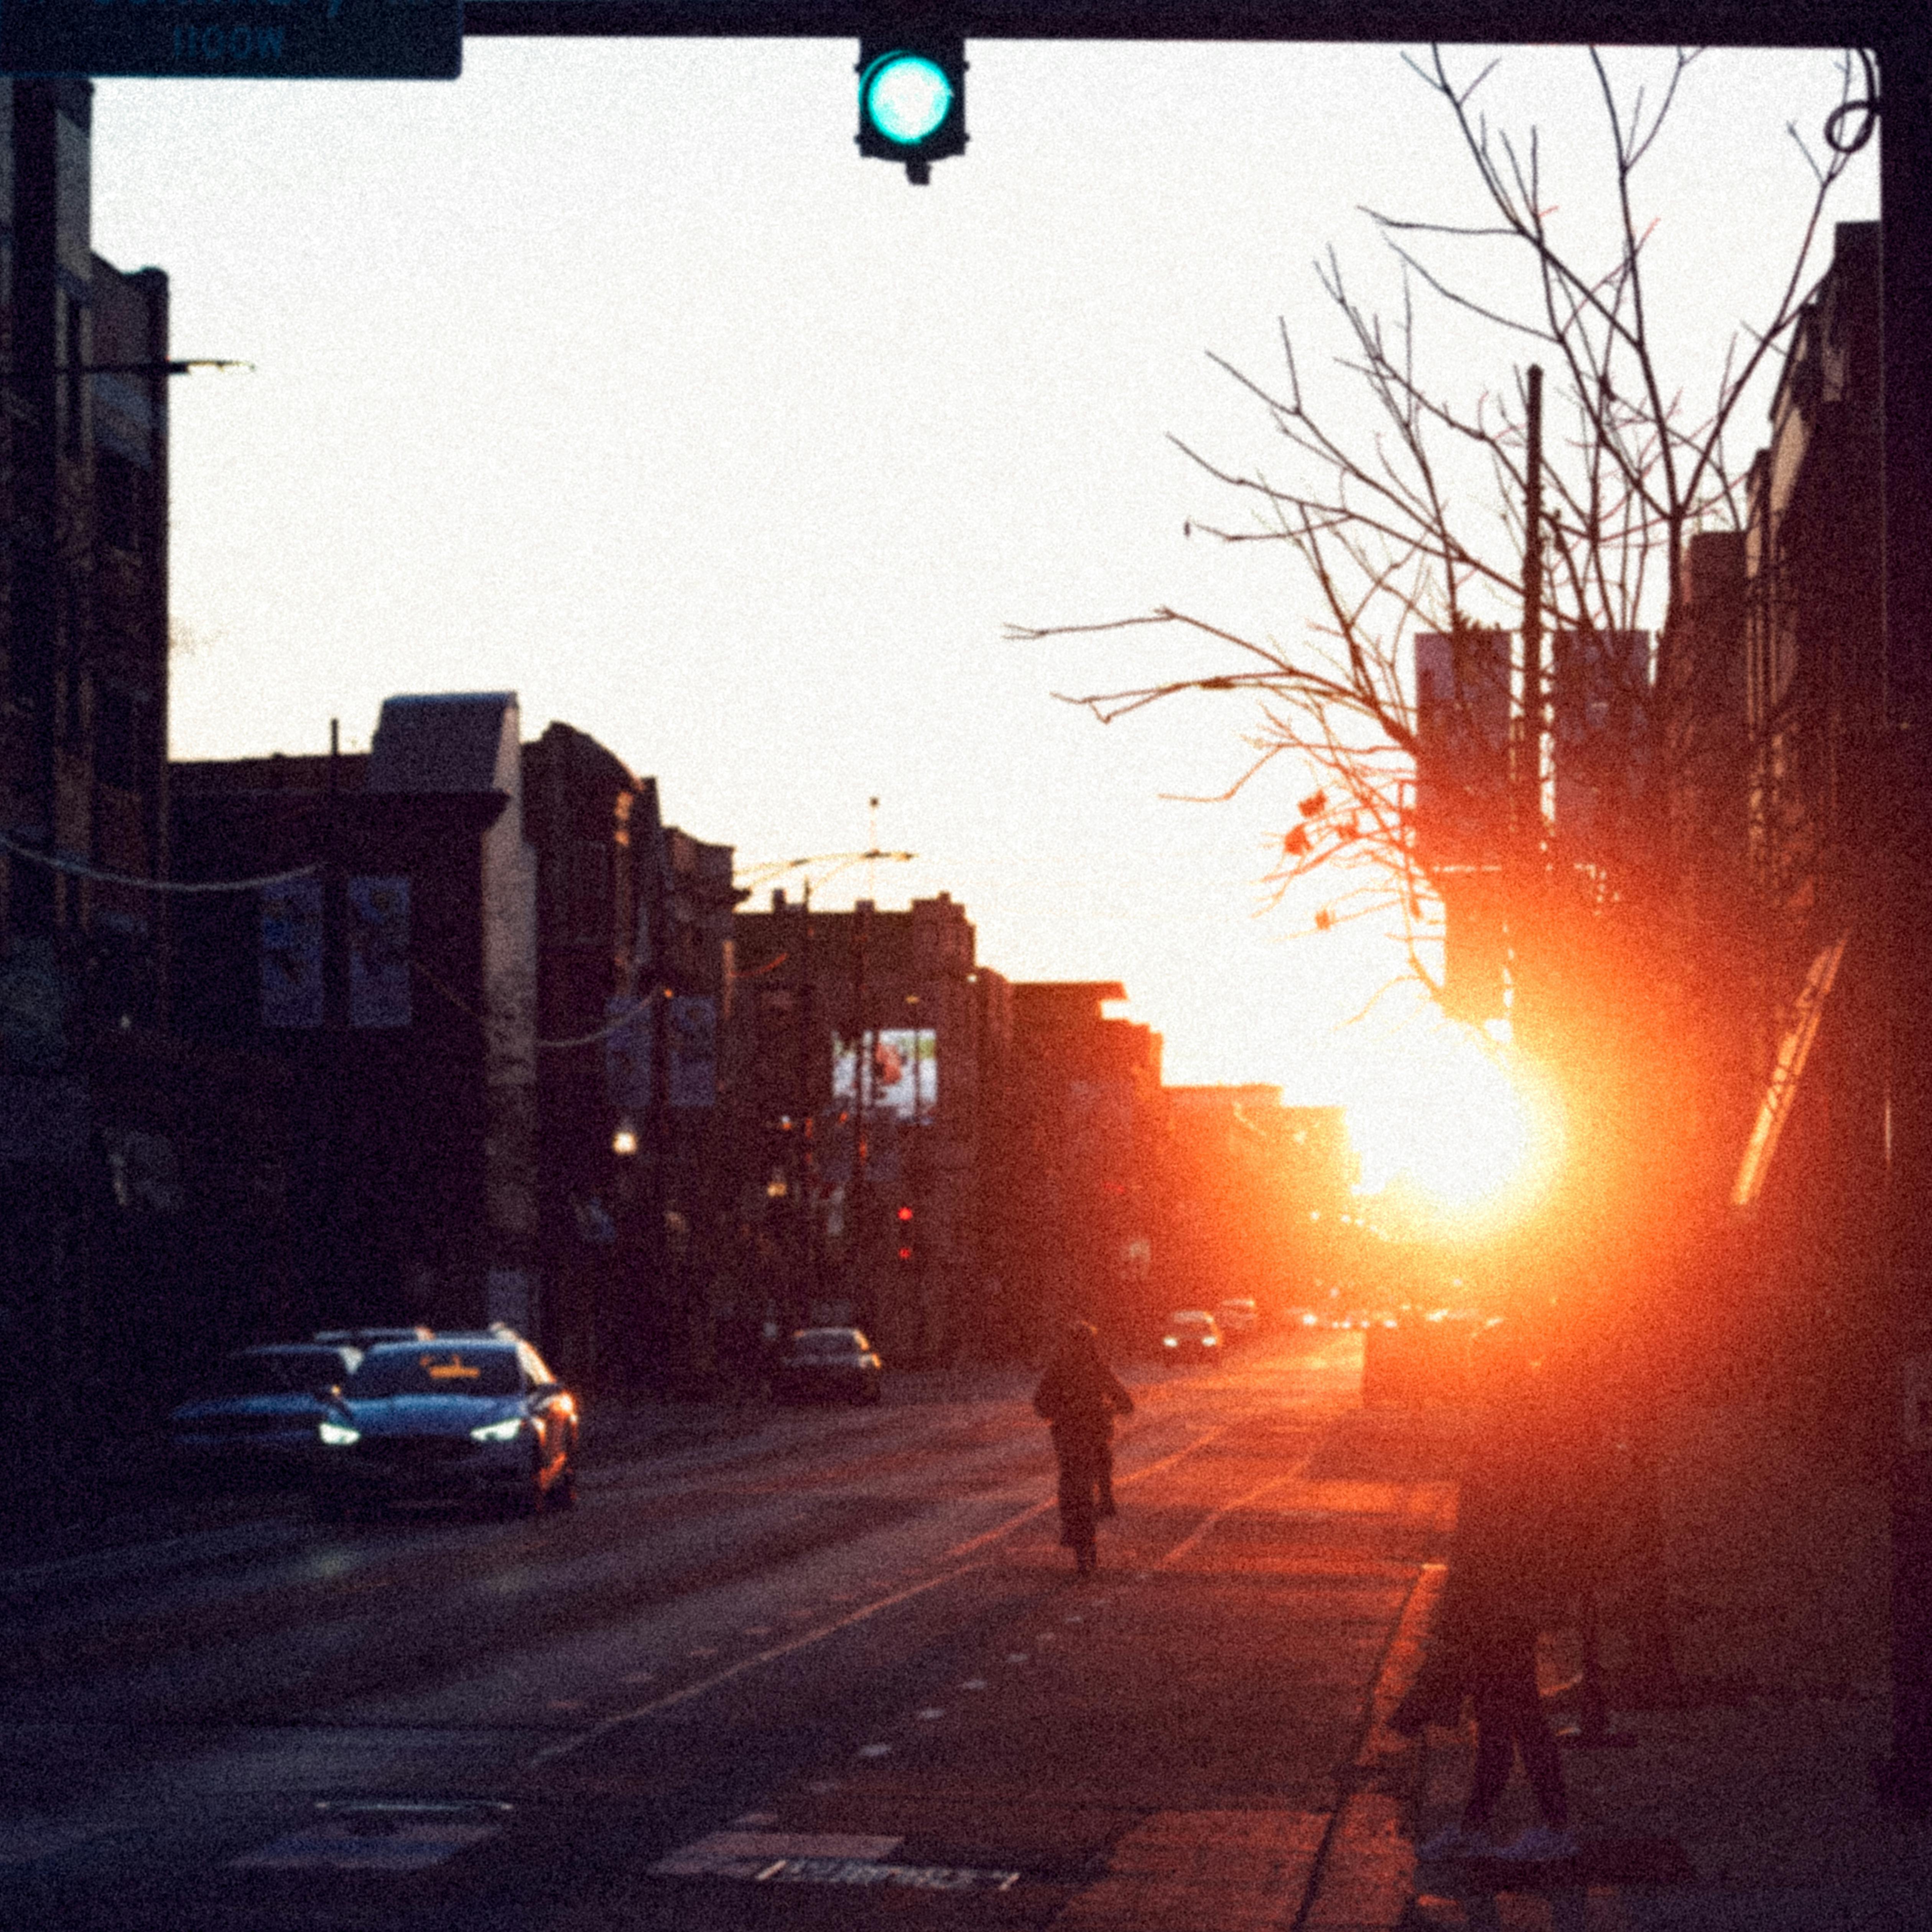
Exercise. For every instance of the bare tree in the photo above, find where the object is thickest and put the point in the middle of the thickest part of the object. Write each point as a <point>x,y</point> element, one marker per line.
<point>1416,523</point>
<point>1465,520</point>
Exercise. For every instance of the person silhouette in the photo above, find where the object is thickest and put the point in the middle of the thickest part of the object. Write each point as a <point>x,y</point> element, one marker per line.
<point>1080,1397</point>
<point>1512,1568</point>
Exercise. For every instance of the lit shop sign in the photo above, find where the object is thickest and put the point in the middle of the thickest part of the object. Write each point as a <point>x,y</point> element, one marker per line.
<point>901,1075</point>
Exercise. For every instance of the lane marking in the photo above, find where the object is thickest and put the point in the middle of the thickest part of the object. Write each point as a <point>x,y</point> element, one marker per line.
<point>552,1753</point>
<point>379,1836</point>
<point>749,1854</point>
<point>1033,1510</point>
<point>1215,1516</point>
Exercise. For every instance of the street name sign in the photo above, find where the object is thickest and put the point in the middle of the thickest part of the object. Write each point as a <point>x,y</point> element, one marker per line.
<point>235,39</point>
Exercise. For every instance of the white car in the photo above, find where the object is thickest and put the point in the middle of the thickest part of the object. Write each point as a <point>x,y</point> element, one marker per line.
<point>1192,1334</point>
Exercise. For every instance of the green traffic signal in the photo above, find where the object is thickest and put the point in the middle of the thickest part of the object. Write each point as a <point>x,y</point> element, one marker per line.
<point>907,97</point>
<point>912,101</point>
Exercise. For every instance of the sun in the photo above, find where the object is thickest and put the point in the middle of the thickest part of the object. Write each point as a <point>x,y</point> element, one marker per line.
<point>1444,1117</point>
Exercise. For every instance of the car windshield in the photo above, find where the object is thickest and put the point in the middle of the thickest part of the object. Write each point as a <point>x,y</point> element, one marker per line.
<point>828,1341</point>
<point>1189,1321</point>
<point>417,1371</point>
<point>276,1371</point>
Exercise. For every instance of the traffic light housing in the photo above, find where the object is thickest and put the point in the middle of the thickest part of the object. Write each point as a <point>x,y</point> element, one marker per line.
<point>912,101</point>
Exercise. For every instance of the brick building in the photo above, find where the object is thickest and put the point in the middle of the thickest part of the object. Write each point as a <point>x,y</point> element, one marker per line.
<point>1081,1154</point>
<point>872,1047</point>
<point>138,1175</point>
<point>638,1171</point>
<point>392,971</point>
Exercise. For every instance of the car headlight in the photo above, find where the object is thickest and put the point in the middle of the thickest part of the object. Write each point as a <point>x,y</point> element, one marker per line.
<point>338,1434</point>
<point>1168,1341</point>
<point>508,1430</point>
<point>1210,1341</point>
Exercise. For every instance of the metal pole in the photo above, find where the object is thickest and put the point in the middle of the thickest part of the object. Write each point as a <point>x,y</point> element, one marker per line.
<point>1529,771</point>
<point>1905,137</point>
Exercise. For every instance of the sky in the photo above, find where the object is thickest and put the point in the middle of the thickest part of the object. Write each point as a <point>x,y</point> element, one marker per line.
<point>610,374</point>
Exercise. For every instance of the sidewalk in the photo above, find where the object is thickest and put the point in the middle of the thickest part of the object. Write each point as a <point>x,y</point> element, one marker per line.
<point>1748,1805</point>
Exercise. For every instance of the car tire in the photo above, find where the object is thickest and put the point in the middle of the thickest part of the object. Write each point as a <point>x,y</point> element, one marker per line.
<point>563,1491</point>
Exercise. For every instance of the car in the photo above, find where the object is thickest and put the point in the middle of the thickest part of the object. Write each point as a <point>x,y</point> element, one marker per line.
<point>255,1415</point>
<point>450,1420</point>
<point>1192,1334</point>
<point>1239,1317</point>
<point>828,1364</point>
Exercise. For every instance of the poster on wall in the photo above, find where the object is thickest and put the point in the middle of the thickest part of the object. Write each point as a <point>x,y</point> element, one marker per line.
<point>691,1073</point>
<point>627,1054</point>
<point>291,953</point>
<point>902,1078</point>
<point>379,953</point>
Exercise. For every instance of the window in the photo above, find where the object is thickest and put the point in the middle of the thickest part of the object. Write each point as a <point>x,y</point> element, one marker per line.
<point>486,1370</point>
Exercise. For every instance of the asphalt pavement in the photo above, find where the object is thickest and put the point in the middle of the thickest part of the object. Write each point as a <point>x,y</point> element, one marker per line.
<point>829,1668</point>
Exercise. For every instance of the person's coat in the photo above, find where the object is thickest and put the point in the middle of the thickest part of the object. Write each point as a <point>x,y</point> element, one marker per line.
<point>1080,1396</point>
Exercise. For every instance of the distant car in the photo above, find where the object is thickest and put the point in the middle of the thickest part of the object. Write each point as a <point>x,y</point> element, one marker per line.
<point>833,1364</point>
<point>256,1416</point>
<point>1299,1321</point>
<point>448,1419</point>
<point>1239,1317</point>
<point>1192,1334</point>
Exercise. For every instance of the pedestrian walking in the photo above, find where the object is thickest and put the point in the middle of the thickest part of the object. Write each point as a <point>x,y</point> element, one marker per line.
<point>1080,1397</point>
<point>1512,1569</point>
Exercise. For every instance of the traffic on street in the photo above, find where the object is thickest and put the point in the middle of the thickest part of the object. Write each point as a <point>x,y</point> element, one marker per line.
<point>829,1665</point>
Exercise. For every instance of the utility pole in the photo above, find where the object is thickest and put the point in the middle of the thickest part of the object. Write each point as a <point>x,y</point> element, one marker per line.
<point>805,1110</point>
<point>857,1245</point>
<point>1903,926</point>
<point>1526,843</point>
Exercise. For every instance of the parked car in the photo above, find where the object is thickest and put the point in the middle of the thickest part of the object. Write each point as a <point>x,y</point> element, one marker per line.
<point>449,1420</point>
<point>1239,1318</point>
<point>1192,1335</point>
<point>823,1364</point>
<point>256,1416</point>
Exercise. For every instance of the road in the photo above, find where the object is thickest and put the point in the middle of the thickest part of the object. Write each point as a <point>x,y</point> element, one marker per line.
<point>846,1640</point>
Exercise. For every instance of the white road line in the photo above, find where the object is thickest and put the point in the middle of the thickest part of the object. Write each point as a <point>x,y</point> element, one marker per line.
<point>551,1753</point>
<point>1027,1514</point>
<point>1215,1516</point>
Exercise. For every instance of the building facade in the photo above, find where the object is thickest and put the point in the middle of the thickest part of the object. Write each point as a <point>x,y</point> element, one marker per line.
<point>1081,1149</point>
<point>640,1155</point>
<point>134,1174</point>
<point>871,1046</point>
<point>387,963</point>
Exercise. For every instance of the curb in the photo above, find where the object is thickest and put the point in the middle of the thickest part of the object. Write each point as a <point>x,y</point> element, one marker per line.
<point>1365,1878</point>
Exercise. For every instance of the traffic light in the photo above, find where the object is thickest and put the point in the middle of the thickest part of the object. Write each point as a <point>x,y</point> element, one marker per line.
<point>912,101</point>
<point>905,1234</point>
